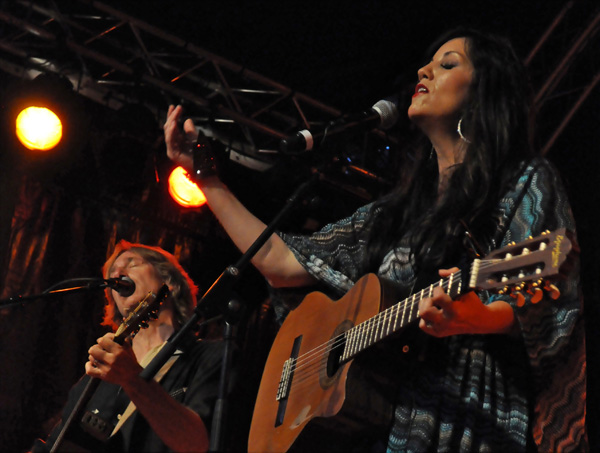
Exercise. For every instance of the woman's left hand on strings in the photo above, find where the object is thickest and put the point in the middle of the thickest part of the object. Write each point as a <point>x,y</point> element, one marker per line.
<point>441,316</point>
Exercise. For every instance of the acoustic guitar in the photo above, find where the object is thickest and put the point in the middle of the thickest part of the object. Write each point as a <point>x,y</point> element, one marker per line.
<point>310,378</point>
<point>146,309</point>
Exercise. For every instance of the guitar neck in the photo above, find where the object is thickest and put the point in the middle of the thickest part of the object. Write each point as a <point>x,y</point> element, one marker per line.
<point>84,398</point>
<point>86,395</point>
<point>394,318</point>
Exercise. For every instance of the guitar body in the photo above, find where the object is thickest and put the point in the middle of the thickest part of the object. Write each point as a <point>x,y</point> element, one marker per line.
<point>323,399</point>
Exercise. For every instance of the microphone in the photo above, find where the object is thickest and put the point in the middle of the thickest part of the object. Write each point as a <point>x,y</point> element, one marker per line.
<point>383,115</point>
<point>123,285</point>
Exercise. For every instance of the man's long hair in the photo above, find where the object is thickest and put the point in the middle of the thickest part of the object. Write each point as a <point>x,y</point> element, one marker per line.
<point>183,291</point>
<point>497,122</point>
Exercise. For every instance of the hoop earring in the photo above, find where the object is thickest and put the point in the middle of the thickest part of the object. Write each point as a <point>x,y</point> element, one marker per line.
<point>462,137</point>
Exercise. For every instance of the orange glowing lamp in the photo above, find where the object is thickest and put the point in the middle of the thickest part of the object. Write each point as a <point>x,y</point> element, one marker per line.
<point>38,128</point>
<point>183,190</point>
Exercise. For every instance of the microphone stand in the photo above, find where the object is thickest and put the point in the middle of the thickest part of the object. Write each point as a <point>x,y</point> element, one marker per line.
<point>211,305</point>
<point>93,284</point>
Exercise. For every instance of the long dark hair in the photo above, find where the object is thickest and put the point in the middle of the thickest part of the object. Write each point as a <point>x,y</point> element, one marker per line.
<point>497,122</point>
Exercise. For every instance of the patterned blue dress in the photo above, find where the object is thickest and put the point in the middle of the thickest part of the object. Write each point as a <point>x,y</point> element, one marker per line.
<point>481,392</point>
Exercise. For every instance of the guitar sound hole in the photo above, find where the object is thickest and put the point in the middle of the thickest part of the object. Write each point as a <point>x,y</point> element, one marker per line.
<point>333,360</point>
<point>331,366</point>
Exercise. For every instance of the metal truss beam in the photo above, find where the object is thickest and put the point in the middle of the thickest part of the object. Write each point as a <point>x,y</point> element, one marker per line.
<point>568,67</point>
<point>117,59</point>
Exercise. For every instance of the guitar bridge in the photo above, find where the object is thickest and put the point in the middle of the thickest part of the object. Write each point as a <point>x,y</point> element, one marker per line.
<point>285,382</point>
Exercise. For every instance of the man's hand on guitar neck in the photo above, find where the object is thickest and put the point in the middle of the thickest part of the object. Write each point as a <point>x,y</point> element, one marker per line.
<point>442,317</point>
<point>112,362</point>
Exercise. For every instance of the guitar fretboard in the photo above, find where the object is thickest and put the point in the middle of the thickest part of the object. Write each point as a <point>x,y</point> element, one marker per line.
<point>394,318</point>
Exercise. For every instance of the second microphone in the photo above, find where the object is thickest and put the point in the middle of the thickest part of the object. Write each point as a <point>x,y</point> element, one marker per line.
<point>383,115</point>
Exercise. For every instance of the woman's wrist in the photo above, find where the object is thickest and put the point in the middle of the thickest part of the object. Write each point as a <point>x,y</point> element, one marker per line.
<point>498,318</point>
<point>204,161</point>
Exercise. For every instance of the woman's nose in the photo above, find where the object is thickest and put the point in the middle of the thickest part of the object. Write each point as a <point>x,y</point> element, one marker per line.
<point>424,72</point>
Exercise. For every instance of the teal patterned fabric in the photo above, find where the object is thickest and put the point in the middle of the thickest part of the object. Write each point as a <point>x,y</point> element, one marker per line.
<point>480,392</point>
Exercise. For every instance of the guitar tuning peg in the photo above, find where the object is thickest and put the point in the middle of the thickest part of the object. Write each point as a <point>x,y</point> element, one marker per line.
<point>553,291</point>
<point>519,297</point>
<point>520,300</point>
<point>534,290</point>
<point>536,295</point>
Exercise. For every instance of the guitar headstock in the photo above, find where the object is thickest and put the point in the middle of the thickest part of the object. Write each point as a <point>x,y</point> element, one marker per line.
<point>145,310</point>
<point>529,265</point>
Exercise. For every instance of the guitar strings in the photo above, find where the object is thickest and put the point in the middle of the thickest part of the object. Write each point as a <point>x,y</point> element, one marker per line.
<point>302,362</point>
<point>305,366</point>
<point>309,364</point>
<point>369,329</point>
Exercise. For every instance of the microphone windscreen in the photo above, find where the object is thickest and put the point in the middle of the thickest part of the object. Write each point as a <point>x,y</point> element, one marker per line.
<point>388,111</point>
<point>123,285</point>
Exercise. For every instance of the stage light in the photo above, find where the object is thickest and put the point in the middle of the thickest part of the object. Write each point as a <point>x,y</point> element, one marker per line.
<point>183,190</point>
<point>46,125</point>
<point>38,128</point>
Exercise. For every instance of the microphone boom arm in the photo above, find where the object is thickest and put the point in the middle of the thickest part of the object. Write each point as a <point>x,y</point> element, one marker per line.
<point>92,284</point>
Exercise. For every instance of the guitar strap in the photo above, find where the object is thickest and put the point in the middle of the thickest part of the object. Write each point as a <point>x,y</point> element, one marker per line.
<point>506,214</point>
<point>158,377</point>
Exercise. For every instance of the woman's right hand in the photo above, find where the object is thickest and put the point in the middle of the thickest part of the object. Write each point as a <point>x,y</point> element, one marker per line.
<point>274,260</point>
<point>180,142</point>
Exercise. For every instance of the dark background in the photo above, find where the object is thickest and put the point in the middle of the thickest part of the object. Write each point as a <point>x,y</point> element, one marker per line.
<point>59,221</point>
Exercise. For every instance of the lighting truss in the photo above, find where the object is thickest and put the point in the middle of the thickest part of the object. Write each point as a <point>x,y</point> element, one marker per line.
<point>116,59</point>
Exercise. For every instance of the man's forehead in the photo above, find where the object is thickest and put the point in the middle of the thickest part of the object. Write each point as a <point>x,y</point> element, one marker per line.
<point>125,257</point>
